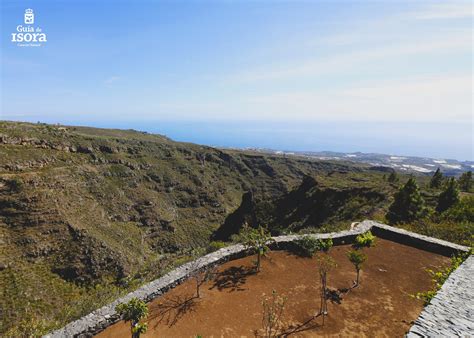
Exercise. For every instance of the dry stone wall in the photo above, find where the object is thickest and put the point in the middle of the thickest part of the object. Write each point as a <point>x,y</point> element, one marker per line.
<point>451,312</point>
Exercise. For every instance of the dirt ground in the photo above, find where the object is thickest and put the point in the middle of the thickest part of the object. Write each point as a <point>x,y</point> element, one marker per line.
<point>231,304</point>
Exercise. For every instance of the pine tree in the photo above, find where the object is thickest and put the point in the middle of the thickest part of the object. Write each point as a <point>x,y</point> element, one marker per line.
<point>437,179</point>
<point>449,196</point>
<point>465,181</point>
<point>408,205</point>
<point>392,178</point>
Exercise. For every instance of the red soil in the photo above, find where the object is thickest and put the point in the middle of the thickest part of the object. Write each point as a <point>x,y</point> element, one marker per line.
<point>231,304</point>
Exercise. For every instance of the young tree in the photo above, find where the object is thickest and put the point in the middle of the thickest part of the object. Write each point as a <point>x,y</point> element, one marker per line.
<point>325,264</point>
<point>449,196</point>
<point>273,308</point>
<point>357,258</point>
<point>465,181</point>
<point>134,312</point>
<point>436,179</point>
<point>257,240</point>
<point>201,276</point>
<point>408,204</point>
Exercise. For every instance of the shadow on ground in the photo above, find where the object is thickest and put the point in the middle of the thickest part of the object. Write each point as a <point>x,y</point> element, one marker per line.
<point>232,279</point>
<point>172,309</point>
<point>294,329</point>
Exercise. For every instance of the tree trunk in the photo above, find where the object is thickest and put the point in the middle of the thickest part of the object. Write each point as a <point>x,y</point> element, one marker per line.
<point>325,296</point>
<point>259,254</point>
<point>323,307</point>
<point>357,281</point>
<point>134,334</point>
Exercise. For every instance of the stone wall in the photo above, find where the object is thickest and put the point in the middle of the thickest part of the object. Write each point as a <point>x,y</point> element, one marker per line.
<point>451,312</point>
<point>422,242</point>
<point>100,319</point>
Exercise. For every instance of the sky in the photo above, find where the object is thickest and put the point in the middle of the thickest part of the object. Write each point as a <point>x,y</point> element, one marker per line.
<point>372,76</point>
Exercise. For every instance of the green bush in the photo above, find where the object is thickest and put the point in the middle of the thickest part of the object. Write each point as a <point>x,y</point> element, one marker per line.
<point>308,246</point>
<point>439,277</point>
<point>463,211</point>
<point>461,232</point>
<point>15,184</point>
<point>365,240</point>
<point>215,245</point>
<point>134,312</point>
<point>325,244</point>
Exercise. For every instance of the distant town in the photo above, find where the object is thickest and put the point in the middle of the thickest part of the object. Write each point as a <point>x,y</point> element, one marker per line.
<point>425,165</point>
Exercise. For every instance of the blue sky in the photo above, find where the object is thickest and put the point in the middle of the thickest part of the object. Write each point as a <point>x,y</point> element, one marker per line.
<point>373,76</point>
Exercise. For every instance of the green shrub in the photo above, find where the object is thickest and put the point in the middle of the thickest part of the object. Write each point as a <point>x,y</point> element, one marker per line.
<point>325,244</point>
<point>308,246</point>
<point>463,211</point>
<point>215,245</point>
<point>15,184</point>
<point>439,277</point>
<point>460,232</point>
<point>29,327</point>
<point>365,240</point>
<point>134,312</point>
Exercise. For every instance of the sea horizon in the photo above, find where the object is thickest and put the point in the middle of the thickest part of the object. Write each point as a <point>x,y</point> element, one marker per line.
<point>385,137</point>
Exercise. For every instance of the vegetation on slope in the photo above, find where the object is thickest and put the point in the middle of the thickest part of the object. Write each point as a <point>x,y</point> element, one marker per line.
<point>88,214</point>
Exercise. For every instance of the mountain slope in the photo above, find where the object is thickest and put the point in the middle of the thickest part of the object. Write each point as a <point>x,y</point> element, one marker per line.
<point>88,213</point>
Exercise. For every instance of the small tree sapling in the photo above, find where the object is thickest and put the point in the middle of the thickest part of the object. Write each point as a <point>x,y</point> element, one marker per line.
<point>134,312</point>
<point>257,240</point>
<point>273,307</point>
<point>325,264</point>
<point>357,258</point>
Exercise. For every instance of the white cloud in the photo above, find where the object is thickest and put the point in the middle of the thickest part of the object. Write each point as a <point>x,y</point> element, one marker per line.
<point>435,99</point>
<point>342,61</point>
<point>399,40</point>
<point>425,99</point>
<point>383,38</point>
<point>449,10</point>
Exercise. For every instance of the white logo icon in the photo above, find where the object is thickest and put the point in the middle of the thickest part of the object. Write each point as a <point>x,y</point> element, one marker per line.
<point>28,35</point>
<point>29,17</point>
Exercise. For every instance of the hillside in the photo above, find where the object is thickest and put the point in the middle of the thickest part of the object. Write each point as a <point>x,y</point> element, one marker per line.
<point>87,214</point>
